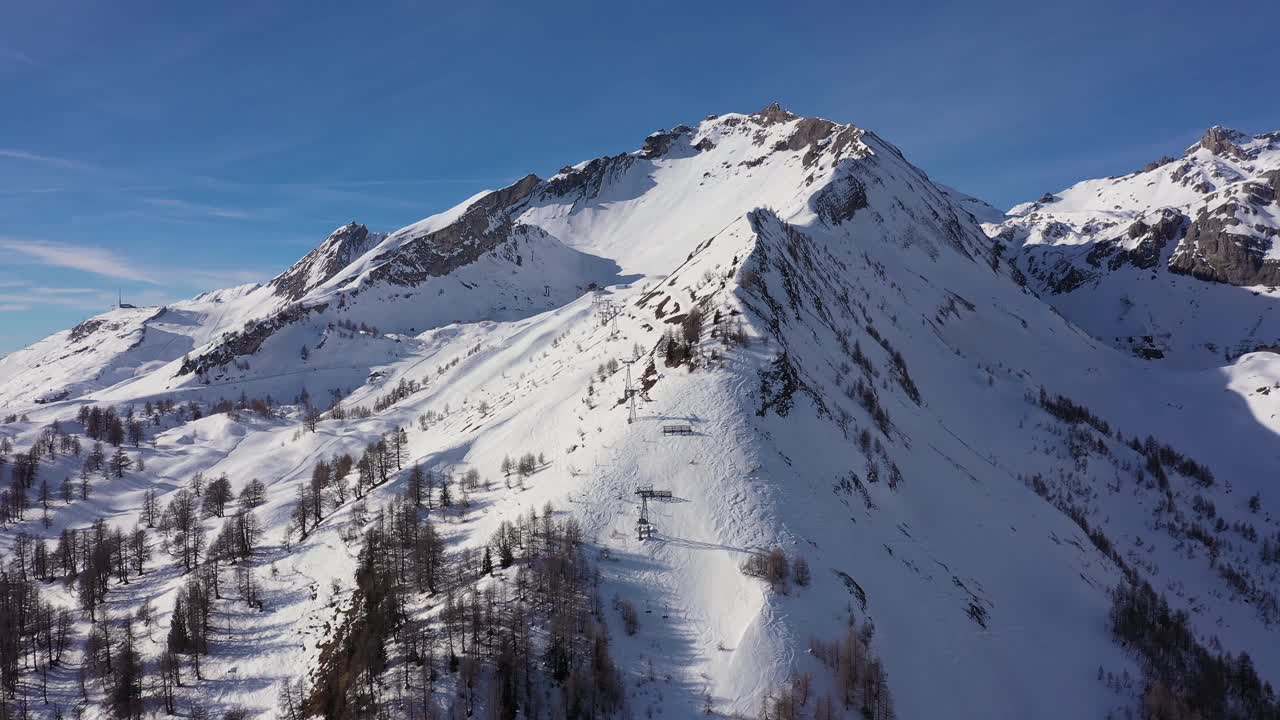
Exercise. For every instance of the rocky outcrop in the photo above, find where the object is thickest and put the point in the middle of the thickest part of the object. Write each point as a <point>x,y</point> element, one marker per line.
<point>1152,239</point>
<point>847,142</point>
<point>659,144</point>
<point>1053,271</point>
<point>247,340</point>
<point>808,132</point>
<point>481,228</point>
<point>320,265</point>
<point>772,114</point>
<point>1265,190</point>
<point>1222,141</point>
<point>584,183</point>
<point>816,136</point>
<point>1218,247</point>
<point>85,329</point>
<point>839,201</point>
<point>507,196</point>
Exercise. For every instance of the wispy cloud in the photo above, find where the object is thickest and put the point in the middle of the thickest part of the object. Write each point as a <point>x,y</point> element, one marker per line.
<point>191,208</point>
<point>170,282</point>
<point>406,181</point>
<point>49,160</point>
<point>7,307</point>
<point>85,258</point>
<point>59,291</point>
<point>17,56</point>
<point>19,301</point>
<point>30,191</point>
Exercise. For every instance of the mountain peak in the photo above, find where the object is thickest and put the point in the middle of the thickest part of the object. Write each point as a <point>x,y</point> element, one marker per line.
<point>1221,140</point>
<point>774,112</point>
<point>341,247</point>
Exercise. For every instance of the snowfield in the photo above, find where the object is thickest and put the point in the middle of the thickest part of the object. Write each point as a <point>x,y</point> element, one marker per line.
<point>865,383</point>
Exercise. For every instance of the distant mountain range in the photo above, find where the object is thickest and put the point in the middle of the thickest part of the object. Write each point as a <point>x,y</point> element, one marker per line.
<point>1134,259</point>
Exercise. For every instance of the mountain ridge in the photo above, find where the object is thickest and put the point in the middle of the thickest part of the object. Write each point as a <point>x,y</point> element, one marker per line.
<point>830,362</point>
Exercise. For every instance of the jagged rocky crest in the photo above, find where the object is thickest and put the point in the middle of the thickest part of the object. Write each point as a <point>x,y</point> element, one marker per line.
<point>482,228</point>
<point>320,265</point>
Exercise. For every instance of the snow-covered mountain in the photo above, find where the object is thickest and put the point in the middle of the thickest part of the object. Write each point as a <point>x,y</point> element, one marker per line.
<point>856,435</point>
<point>1134,259</point>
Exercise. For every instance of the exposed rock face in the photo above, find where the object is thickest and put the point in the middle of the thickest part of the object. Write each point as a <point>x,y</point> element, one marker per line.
<point>85,329</point>
<point>247,340</point>
<point>327,260</point>
<point>839,201</point>
<point>585,182</point>
<point>815,135</point>
<point>1152,240</point>
<point>507,196</point>
<point>1216,250</point>
<point>482,227</point>
<point>1222,141</point>
<point>1067,277</point>
<point>659,143</point>
<point>773,113</point>
<point>809,131</point>
<point>1265,190</point>
<point>1053,273</point>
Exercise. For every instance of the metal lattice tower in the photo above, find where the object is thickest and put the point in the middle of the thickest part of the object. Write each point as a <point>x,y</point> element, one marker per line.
<point>604,310</point>
<point>607,311</point>
<point>644,528</point>
<point>631,394</point>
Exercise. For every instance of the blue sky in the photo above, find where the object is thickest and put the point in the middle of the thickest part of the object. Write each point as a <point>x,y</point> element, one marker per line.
<point>171,148</point>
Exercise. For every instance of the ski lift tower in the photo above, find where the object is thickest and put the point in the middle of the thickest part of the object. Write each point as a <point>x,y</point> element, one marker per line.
<point>644,528</point>
<point>631,394</point>
<point>607,311</point>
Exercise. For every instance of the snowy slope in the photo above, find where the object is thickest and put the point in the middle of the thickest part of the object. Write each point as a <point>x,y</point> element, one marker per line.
<point>864,394</point>
<point>980,209</point>
<point>118,345</point>
<point>1140,260</point>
